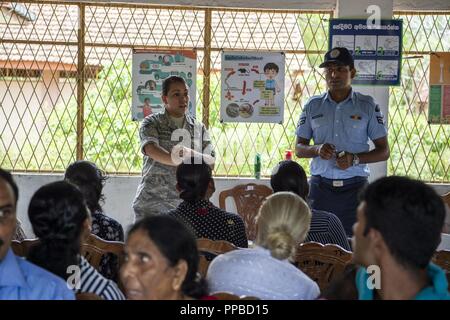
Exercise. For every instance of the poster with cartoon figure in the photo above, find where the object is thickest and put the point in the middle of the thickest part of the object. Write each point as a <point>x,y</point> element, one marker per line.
<point>252,87</point>
<point>150,69</point>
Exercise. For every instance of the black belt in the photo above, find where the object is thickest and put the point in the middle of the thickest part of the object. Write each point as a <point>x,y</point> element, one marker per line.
<point>339,182</point>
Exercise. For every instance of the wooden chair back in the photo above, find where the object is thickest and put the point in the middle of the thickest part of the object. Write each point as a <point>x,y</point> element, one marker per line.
<point>322,263</point>
<point>213,247</point>
<point>94,248</point>
<point>248,199</point>
<point>21,248</point>
<point>442,259</point>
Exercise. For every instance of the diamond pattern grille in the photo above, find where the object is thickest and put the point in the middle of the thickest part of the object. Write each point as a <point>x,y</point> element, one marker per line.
<point>418,149</point>
<point>40,100</point>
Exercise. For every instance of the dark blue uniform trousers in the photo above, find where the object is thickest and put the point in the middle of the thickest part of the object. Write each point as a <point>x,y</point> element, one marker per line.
<point>327,195</point>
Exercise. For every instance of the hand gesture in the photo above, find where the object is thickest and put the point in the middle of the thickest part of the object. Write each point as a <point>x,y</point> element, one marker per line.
<point>326,151</point>
<point>345,161</point>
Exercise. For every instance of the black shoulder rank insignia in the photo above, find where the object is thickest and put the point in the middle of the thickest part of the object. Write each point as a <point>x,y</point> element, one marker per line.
<point>302,120</point>
<point>377,108</point>
<point>380,120</point>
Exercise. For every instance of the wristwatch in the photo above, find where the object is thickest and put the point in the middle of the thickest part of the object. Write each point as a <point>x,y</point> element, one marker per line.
<point>355,159</point>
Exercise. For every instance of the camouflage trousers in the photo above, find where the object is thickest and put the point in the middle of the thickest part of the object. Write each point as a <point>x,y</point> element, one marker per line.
<point>149,208</point>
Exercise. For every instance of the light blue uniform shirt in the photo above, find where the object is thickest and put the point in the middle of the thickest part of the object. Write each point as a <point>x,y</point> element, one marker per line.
<point>22,280</point>
<point>348,125</point>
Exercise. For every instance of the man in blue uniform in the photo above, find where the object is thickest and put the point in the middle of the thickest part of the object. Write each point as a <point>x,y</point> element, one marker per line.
<point>341,122</point>
<point>20,279</point>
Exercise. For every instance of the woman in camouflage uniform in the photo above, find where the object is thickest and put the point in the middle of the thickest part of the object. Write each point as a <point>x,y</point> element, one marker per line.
<point>160,143</point>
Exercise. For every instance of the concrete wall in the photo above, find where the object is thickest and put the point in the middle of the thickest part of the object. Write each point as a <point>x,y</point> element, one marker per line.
<point>120,191</point>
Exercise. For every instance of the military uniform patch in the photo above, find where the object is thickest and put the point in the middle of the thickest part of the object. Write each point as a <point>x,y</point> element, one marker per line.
<point>380,119</point>
<point>334,53</point>
<point>302,120</point>
<point>317,116</point>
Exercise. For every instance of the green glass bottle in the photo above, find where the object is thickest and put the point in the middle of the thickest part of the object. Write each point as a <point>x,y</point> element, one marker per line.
<point>258,166</point>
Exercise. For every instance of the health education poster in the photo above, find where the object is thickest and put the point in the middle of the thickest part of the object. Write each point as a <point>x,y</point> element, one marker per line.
<point>377,50</point>
<point>150,69</point>
<point>439,101</point>
<point>252,87</point>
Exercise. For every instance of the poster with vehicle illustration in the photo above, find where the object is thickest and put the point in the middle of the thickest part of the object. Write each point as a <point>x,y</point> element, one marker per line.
<point>252,87</point>
<point>376,48</point>
<point>150,69</point>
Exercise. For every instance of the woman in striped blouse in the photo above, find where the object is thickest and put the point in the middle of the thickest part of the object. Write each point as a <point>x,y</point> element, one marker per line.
<point>61,220</point>
<point>325,227</point>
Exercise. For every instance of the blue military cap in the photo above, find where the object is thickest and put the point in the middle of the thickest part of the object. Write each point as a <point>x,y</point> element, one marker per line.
<point>339,56</point>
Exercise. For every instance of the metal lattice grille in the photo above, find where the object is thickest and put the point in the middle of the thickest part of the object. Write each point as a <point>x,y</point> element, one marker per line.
<point>65,83</point>
<point>301,36</point>
<point>418,149</point>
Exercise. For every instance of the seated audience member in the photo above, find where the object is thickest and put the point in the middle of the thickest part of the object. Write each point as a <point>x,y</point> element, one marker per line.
<point>161,261</point>
<point>325,227</point>
<point>205,219</point>
<point>19,279</point>
<point>398,228</point>
<point>265,271</point>
<point>61,220</point>
<point>90,180</point>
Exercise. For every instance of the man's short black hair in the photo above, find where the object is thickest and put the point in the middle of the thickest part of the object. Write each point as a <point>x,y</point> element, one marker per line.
<point>409,215</point>
<point>5,175</point>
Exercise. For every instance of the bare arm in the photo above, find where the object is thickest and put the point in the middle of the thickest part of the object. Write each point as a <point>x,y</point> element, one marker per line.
<point>159,154</point>
<point>304,150</point>
<point>379,153</point>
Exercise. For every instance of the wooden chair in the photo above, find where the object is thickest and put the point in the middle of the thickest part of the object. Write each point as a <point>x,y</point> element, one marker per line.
<point>21,248</point>
<point>94,248</point>
<point>214,248</point>
<point>248,199</point>
<point>230,296</point>
<point>442,259</point>
<point>322,263</point>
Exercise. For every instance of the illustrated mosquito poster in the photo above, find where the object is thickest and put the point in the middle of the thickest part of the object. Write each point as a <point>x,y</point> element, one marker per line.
<point>252,87</point>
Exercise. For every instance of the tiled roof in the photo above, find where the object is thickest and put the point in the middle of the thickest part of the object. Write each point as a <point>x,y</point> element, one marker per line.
<point>138,27</point>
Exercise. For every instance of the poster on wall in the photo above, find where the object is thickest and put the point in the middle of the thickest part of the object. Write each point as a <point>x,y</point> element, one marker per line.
<point>150,69</point>
<point>439,101</point>
<point>252,87</point>
<point>377,49</point>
